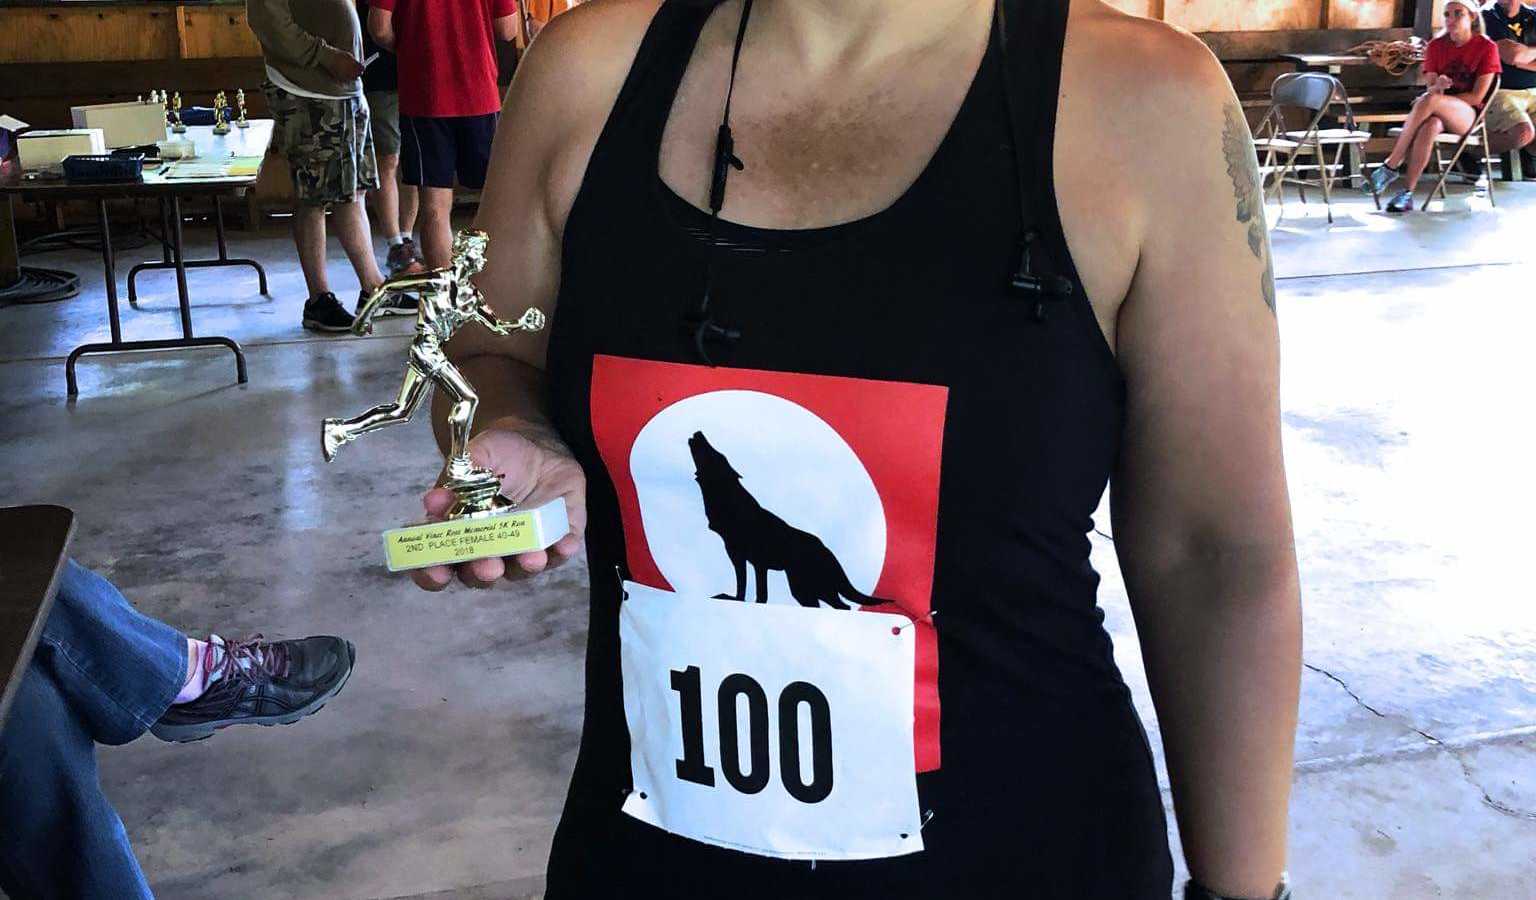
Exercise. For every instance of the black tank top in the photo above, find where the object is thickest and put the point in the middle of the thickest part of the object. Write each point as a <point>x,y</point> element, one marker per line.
<point>885,373</point>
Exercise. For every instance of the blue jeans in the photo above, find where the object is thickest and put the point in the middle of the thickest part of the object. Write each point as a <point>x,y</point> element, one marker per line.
<point>103,673</point>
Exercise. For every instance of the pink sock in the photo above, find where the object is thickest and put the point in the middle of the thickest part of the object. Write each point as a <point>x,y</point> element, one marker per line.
<point>201,653</point>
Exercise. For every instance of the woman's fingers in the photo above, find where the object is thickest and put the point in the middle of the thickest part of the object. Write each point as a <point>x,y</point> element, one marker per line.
<point>432,578</point>
<point>437,502</point>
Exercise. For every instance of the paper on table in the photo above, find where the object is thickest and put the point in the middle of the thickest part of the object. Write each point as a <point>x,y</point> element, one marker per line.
<point>198,170</point>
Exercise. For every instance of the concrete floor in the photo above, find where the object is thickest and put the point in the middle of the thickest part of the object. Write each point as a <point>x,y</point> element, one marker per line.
<point>440,771</point>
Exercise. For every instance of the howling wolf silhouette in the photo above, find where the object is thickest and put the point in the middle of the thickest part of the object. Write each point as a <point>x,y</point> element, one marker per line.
<point>753,534</point>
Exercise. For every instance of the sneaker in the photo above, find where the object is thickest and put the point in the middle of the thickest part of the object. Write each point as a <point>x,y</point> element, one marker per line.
<point>262,683</point>
<point>325,313</point>
<point>404,260</point>
<point>1401,202</point>
<point>398,305</point>
<point>1470,169</point>
<point>1380,177</point>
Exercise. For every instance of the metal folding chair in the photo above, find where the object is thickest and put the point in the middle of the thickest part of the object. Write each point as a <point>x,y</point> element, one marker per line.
<point>1314,93</point>
<point>1476,136</point>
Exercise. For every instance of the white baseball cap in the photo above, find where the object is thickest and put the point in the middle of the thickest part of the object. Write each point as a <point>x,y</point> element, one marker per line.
<point>1471,6</point>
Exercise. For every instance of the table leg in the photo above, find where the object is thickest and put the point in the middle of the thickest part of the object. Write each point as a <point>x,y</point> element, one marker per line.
<point>224,259</point>
<point>165,255</point>
<point>117,344</point>
<point>178,253</point>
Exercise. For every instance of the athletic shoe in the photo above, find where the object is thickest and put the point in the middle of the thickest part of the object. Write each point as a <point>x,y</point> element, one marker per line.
<point>404,260</point>
<point>396,305</point>
<point>1380,177</point>
<point>262,683</point>
<point>1400,203</point>
<point>325,313</point>
<point>1470,169</point>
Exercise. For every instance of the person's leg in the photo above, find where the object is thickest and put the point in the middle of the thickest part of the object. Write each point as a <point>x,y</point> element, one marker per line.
<point>309,240</point>
<point>61,837</point>
<point>435,225</point>
<point>1448,114</point>
<point>384,200</point>
<point>1511,139</point>
<point>1416,118</point>
<point>360,173</point>
<point>1419,153</point>
<point>293,136</point>
<point>384,125</point>
<point>351,223</point>
<point>408,207</point>
<point>118,668</point>
<point>428,159</point>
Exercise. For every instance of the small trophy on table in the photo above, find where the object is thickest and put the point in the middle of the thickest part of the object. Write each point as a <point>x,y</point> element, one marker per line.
<point>177,125</point>
<point>481,523</point>
<point>220,114</point>
<point>242,121</point>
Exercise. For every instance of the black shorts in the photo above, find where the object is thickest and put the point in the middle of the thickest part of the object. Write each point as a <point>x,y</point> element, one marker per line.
<point>434,150</point>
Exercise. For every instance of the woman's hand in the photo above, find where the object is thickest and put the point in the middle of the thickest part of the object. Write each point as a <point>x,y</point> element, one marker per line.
<point>535,467</point>
<point>1440,85</point>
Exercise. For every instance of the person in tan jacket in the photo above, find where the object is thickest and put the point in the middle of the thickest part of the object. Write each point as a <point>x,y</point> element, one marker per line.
<point>313,54</point>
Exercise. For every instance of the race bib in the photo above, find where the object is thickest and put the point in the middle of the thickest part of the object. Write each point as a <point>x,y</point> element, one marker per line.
<point>776,730</point>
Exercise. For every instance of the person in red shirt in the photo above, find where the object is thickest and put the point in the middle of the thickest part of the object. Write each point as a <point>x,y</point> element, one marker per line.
<point>449,100</point>
<point>1459,68</point>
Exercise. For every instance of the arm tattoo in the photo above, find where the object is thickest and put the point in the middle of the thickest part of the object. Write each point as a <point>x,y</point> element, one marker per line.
<point>1243,168</point>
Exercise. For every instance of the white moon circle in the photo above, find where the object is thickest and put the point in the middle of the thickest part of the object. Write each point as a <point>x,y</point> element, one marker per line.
<point>791,461</point>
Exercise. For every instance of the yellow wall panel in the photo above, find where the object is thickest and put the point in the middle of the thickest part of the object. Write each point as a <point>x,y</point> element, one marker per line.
<point>1365,14</point>
<point>216,32</point>
<point>1148,9</point>
<point>88,34</point>
<point>1251,15</point>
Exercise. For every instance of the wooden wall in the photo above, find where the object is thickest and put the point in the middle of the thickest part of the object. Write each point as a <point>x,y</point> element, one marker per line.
<point>1273,15</point>
<point>108,34</point>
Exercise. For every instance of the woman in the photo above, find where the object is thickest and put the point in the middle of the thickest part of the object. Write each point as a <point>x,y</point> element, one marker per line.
<point>832,408</point>
<point>1459,67</point>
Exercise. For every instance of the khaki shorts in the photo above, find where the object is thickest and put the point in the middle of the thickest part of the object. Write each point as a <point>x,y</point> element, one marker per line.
<point>1511,109</point>
<point>327,143</point>
<point>384,116</point>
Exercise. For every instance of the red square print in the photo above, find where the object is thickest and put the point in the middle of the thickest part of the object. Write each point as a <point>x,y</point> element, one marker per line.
<point>846,467</point>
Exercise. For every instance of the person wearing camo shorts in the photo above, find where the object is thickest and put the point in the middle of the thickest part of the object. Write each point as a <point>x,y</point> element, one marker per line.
<point>312,52</point>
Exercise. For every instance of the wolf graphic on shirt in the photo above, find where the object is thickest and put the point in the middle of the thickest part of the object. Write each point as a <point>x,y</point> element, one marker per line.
<point>754,535</point>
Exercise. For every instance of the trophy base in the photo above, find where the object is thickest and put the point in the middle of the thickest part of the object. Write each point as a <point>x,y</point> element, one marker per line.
<point>496,531</point>
<point>221,129</point>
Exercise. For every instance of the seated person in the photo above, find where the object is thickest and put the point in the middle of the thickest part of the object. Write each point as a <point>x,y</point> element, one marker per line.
<point>105,673</point>
<point>1459,67</point>
<point>1511,25</point>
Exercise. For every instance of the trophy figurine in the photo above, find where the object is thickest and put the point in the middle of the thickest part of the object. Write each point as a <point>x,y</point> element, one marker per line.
<point>242,121</point>
<point>177,125</point>
<point>481,522</point>
<point>220,114</point>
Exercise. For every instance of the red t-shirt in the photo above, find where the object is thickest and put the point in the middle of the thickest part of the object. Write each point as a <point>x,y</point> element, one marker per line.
<point>447,54</point>
<point>1464,64</point>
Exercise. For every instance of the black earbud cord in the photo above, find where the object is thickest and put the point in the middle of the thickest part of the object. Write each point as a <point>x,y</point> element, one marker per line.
<point>701,325</point>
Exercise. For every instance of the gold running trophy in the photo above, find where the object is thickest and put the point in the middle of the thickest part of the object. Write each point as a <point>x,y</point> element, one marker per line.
<point>242,121</point>
<point>481,522</point>
<point>177,125</point>
<point>220,114</point>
